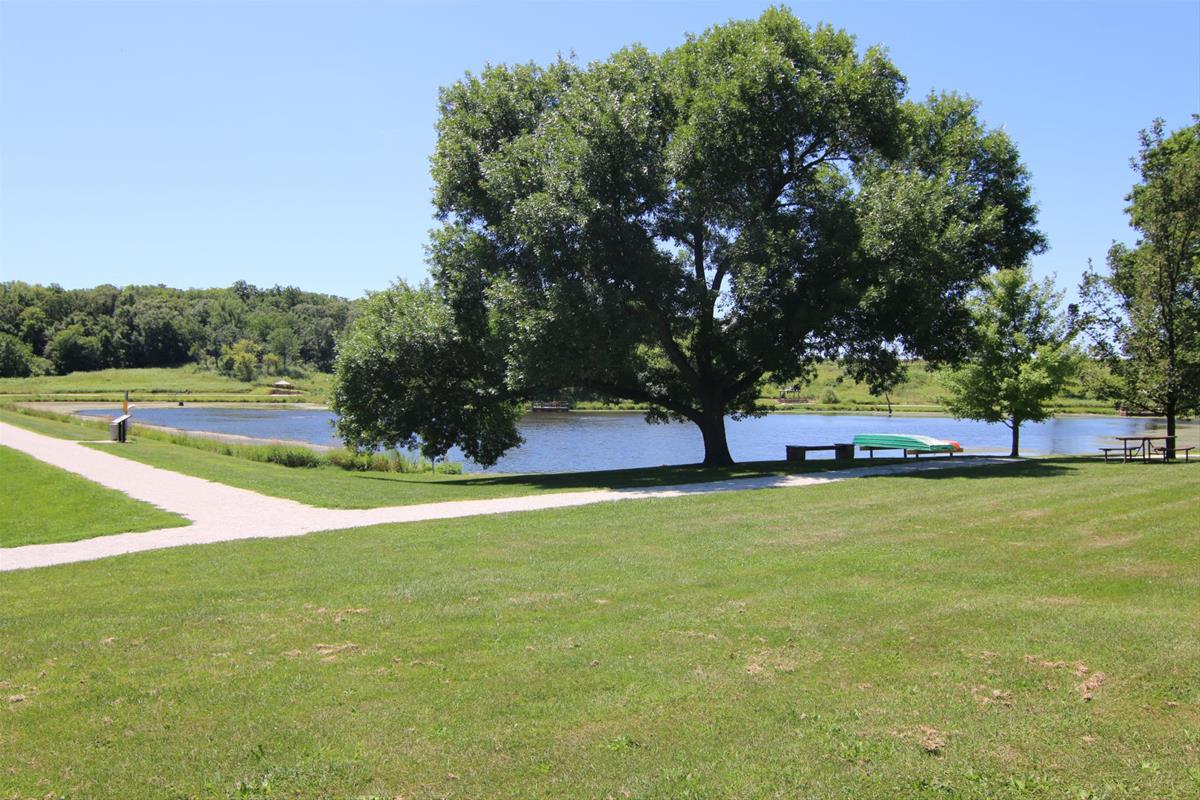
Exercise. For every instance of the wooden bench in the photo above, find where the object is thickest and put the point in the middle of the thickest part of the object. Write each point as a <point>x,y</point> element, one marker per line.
<point>1185,450</point>
<point>1122,450</point>
<point>799,452</point>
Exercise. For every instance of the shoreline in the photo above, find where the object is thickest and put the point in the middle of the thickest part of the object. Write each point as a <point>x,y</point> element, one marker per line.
<point>71,407</point>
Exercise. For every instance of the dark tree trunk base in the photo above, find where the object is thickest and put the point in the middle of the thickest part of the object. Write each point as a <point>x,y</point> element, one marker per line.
<point>716,447</point>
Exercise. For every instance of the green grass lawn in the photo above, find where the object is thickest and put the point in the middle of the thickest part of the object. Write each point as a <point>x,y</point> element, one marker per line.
<point>59,428</point>
<point>46,504</point>
<point>332,487</point>
<point>931,636</point>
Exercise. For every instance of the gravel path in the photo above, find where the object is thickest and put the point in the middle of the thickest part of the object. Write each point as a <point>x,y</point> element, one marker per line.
<point>222,513</point>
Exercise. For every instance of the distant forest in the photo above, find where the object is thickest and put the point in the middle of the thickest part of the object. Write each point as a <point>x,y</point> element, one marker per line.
<point>240,330</point>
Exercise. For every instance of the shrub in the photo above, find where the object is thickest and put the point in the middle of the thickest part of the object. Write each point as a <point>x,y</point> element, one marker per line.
<point>16,357</point>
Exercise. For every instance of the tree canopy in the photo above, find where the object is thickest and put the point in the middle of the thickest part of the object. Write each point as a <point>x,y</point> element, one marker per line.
<point>1144,314</point>
<point>1021,356</point>
<point>673,228</point>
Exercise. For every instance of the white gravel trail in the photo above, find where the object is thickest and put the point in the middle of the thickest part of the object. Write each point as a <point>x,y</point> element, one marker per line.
<point>221,513</point>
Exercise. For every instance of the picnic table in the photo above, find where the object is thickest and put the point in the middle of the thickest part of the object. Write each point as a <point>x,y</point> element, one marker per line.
<point>1141,446</point>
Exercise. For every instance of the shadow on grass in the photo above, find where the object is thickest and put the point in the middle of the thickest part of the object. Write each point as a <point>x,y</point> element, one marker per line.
<point>644,478</point>
<point>1041,467</point>
<point>1022,468</point>
<point>681,475</point>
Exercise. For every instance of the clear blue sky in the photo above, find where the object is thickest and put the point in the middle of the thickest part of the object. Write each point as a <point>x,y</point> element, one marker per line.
<point>194,144</point>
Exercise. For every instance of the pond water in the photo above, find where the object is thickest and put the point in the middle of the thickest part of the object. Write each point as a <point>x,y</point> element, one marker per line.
<point>576,441</point>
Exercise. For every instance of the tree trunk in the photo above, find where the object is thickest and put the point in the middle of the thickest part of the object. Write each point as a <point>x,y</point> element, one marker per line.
<point>1016,439</point>
<point>716,448</point>
<point>1170,443</point>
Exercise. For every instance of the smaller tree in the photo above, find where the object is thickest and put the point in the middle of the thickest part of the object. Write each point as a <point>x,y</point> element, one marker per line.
<point>1144,314</point>
<point>16,357</point>
<point>240,360</point>
<point>1022,353</point>
<point>284,343</point>
<point>73,349</point>
<point>397,382</point>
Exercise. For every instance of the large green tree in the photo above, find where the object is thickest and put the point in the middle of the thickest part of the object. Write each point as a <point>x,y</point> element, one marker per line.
<point>672,228</point>
<point>1145,312</point>
<point>1021,355</point>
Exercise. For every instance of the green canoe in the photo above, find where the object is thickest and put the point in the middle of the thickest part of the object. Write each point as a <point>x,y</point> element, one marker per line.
<point>899,441</point>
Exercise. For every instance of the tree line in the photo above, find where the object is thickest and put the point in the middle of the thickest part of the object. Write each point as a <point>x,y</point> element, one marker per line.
<point>240,330</point>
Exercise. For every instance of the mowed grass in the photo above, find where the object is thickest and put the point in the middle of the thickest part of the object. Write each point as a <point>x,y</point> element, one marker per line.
<point>44,504</point>
<point>332,487</point>
<point>64,428</point>
<point>922,636</point>
<point>159,383</point>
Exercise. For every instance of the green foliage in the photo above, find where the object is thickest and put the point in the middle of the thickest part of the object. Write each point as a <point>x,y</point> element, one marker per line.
<point>394,461</point>
<point>398,382</point>
<point>150,326</point>
<point>1144,314</point>
<point>1022,355</point>
<point>73,349</point>
<point>240,360</point>
<point>16,357</point>
<point>674,228</point>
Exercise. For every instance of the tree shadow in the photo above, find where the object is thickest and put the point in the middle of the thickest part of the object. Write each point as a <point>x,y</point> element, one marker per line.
<point>1018,468</point>
<point>682,475</point>
<point>643,478</point>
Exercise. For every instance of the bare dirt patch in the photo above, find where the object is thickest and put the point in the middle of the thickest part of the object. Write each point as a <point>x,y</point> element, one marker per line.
<point>770,661</point>
<point>1092,680</point>
<point>932,740</point>
<point>1088,688</point>
<point>330,652</point>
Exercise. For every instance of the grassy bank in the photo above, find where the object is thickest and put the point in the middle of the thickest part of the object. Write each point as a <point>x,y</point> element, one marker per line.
<point>45,504</point>
<point>189,383</point>
<point>61,425</point>
<point>935,636</point>
<point>335,487</point>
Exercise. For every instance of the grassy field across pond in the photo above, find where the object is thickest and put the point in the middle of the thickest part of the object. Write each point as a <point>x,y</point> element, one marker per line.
<point>44,504</point>
<point>1028,630</point>
<point>189,382</point>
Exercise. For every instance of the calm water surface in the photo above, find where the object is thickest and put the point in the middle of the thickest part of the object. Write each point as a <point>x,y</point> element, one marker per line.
<point>557,442</point>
